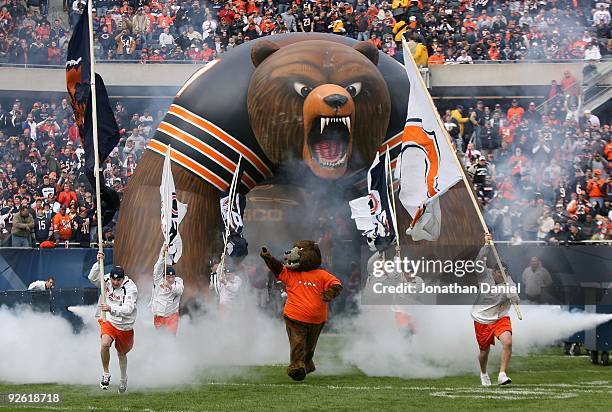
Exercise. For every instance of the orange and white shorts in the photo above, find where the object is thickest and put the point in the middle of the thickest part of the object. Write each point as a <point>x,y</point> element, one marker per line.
<point>486,333</point>
<point>170,323</point>
<point>124,339</point>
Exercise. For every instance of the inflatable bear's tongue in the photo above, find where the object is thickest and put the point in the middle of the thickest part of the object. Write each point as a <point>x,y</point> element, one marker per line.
<point>329,150</point>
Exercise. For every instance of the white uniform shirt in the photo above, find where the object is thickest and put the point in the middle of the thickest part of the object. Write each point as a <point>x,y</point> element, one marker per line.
<point>228,293</point>
<point>121,300</point>
<point>165,301</point>
<point>490,307</point>
<point>38,285</point>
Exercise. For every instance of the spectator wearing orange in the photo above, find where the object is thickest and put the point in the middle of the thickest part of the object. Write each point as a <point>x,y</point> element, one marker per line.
<point>494,52</point>
<point>569,84</point>
<point>515,112</point>
<point>252,7</point>
<point>518,162</point>
<point>267,25</point>
<point>437,57</point>
<point>507,131</point>
<point>375,41</point>
<point>207,53</point>
<point>54,54</point>
<point>125,8</point>
<point>67,195</point>
<point>596,188</point>
<point>62,225</point>
<point>163,20</point>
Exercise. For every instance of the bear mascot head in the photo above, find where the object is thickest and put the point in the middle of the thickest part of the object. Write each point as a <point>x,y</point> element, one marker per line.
<point>324,102</point>
<point>304,256</point>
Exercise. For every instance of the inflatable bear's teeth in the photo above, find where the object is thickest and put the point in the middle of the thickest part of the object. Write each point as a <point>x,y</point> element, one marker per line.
<point>344,120</point>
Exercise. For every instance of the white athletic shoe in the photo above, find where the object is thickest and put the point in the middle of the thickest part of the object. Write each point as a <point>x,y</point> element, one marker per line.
<point>105,381</point>
<point>485,380</point>
<point>123,385</point>
<point>503,379</point>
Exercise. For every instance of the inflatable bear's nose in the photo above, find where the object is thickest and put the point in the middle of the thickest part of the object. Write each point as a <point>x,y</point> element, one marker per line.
<point>335,100</point>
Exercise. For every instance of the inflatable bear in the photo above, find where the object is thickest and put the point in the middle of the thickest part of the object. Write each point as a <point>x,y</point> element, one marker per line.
<point>297,108</point>
<point>308,288</point>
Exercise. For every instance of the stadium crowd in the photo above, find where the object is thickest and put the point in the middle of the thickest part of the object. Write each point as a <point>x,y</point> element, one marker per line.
<point>542,176</point>
<point>44,194</point>
<point>439,32</point>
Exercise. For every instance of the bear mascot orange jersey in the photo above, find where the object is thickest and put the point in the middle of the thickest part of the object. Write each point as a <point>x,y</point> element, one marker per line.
<point>308,288</point>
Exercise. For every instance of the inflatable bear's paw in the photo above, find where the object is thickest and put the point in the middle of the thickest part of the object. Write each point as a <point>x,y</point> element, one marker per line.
<point>310,367</point>
<point>297,374</point>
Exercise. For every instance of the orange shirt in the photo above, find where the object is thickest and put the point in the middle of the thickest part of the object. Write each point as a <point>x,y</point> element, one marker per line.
<point>507,133</point>
<point>593,187</point>
<point>164,21</point>
<point>63,225</point>
<point>517,112</point>
<point>304,302</point>
<point>436,59</point>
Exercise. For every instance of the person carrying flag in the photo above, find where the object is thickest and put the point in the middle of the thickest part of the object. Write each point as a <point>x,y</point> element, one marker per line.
<point>167,291</point>
<point>120,315</point>
<point>491,320</point>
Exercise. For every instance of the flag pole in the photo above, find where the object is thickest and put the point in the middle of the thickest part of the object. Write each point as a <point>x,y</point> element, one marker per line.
<point>168,207</point>
<point>232,192</point>
<point>393,208</point>
<point>94,118</point>
<point>468,185</point>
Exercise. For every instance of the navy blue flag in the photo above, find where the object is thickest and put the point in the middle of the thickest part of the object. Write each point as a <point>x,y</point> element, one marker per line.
<point>78,83</point>
<point>372,213</point>
<point>237,246</point>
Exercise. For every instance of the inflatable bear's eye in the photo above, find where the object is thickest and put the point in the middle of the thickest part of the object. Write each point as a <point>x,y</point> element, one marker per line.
<point>302,89</point>
<point>354,89</point>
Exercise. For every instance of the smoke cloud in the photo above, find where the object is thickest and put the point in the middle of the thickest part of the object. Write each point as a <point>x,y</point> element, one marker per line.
<point>444,343</point>
<point>43,347</point>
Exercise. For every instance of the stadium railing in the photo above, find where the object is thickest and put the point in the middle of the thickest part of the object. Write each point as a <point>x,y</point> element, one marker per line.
<point>504,62</point>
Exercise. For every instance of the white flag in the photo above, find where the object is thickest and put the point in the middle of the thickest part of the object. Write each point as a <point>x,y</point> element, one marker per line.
<point>172,212</point>
<point>427,166</point>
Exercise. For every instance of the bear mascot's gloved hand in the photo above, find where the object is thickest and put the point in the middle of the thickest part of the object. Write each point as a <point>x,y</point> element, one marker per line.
<point>275,265</point>
<point>331,293</point>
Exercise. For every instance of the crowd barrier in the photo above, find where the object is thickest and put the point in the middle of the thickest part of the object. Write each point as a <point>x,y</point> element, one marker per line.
<point>581,274</point>
<point>70,267</point>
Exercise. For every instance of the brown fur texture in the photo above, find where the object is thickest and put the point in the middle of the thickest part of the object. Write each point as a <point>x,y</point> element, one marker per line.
<point>303,339</point>
<point>139,235</point>
<point>315,63</point>
<point>310,255</point>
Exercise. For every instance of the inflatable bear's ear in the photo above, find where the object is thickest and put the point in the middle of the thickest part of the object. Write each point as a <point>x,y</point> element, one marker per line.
<point>368,50</point>
<point>262,50</point>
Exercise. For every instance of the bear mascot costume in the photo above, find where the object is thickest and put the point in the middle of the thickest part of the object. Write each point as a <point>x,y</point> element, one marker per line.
<point>308,288</point>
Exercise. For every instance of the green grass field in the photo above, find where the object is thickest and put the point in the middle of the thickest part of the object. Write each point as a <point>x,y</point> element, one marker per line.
<point>547,381</point>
